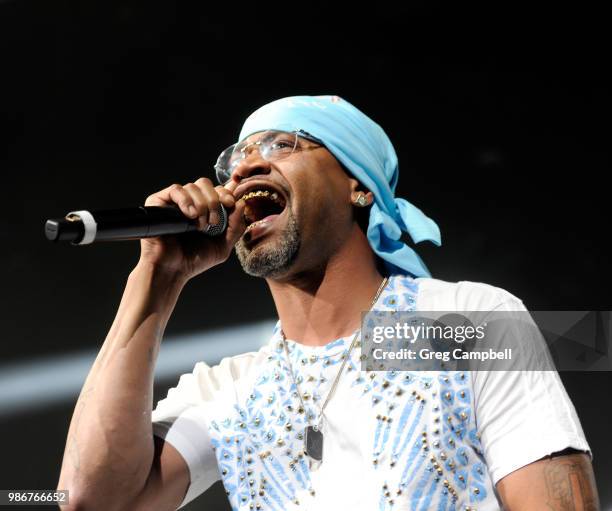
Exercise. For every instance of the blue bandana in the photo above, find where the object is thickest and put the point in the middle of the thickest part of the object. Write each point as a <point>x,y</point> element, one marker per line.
<point>364,149</point>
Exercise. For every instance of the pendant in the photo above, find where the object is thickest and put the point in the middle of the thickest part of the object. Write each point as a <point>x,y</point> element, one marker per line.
<point>313,443</point>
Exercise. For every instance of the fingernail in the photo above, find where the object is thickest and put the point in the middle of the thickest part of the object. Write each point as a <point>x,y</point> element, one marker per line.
<point>192,211</point>
<point>214,218</point>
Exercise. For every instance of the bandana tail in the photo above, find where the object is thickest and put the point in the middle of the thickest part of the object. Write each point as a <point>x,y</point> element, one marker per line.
<point>384,234</point>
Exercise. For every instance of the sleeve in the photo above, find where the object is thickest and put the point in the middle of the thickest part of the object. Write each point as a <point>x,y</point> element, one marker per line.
<point>523,415</point>
<point>182,420</point>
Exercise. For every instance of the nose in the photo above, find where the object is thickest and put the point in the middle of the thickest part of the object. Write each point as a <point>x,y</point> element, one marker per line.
<point>252,165</point>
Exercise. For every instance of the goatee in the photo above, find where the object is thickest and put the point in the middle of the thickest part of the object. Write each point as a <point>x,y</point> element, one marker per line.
<point>271,259</point>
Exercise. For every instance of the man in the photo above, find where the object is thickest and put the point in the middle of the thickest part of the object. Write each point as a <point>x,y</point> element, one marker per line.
<point>299,424</point>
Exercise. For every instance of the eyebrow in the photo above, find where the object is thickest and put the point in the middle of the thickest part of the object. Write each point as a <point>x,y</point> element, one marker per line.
<point>241,145</point>
<point>268,135</point>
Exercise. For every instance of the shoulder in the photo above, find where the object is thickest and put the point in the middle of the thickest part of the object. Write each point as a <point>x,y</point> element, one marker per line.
<point>231,372</point>
<point>436,294</point>
<point>238,366</point>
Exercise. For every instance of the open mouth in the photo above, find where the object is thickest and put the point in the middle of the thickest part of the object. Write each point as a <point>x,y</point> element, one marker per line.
<point>260,205</point>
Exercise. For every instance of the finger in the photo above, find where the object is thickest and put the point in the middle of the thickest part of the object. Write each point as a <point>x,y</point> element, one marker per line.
<point>212,199</point>
<point>200,203</point>
<point>173,195</point>
<point>182,198</point>
<point>235,224</point>
<point>231,185</point>
<point>227,198</point>
<point>161,198</point>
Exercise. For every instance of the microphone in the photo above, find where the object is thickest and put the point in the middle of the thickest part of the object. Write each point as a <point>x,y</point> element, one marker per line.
<point>84,227</point>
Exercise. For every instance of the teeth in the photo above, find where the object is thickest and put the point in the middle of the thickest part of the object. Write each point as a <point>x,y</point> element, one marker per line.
<point>274,196</point>
<point>262,193</point>
<point>250,226</point>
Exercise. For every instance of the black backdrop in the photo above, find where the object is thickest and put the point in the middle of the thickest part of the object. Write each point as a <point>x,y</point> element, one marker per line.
<point>500,120</point>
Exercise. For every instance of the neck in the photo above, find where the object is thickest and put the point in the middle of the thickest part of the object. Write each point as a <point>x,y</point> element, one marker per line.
<point>323,304</point>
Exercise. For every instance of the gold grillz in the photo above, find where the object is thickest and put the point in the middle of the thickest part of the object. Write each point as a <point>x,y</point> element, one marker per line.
<point>264,193</point>
<point>253,213</point>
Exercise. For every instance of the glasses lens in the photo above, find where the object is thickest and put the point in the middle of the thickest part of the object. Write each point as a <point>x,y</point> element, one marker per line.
<point>276,145</point>
<point>225,163</point>
<point>272,145</point>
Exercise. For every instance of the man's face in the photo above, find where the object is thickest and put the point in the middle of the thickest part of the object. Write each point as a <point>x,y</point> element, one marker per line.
<point>308,219</point>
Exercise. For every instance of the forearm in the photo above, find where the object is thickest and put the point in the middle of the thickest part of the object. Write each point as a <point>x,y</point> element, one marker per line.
<point>109,449</point>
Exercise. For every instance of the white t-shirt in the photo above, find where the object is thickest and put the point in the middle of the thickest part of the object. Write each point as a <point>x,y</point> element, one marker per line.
<point>392,439</point>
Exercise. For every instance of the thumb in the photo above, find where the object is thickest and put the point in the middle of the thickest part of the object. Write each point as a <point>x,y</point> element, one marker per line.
<point>235,224</point>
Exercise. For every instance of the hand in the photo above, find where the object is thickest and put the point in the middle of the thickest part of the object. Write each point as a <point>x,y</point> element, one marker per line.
<point>190,254</point>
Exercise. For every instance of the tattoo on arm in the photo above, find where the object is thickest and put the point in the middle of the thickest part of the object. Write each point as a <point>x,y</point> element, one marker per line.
<point>570,483</point>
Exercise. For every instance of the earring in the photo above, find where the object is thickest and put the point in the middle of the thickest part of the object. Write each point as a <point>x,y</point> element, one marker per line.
<point>361,201</point>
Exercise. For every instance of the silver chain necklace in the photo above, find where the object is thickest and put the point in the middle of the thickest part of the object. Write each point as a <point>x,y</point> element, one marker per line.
<point>313,439</point>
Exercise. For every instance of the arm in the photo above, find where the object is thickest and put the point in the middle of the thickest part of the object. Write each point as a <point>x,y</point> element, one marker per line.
<point>110,455</point>
<point>111,460</point>
<point>563,481</point>
<point>524,414</point>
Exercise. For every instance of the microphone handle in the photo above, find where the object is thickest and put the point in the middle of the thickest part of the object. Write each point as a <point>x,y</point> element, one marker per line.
<point>84,227</point>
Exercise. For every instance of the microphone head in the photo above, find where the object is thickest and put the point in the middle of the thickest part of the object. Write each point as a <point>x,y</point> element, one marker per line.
<point>219,228</point>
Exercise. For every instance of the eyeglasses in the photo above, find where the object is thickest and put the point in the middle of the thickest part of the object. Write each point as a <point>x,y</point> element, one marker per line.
<point>273,145</point>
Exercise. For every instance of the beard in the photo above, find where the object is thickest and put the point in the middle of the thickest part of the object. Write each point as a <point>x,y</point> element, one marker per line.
<point>271,259</point>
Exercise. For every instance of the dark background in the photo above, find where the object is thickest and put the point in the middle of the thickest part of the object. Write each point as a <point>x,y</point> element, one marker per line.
<point>501,120</point>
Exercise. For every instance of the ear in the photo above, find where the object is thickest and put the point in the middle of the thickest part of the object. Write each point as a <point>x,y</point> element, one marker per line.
<point>357,191</point>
